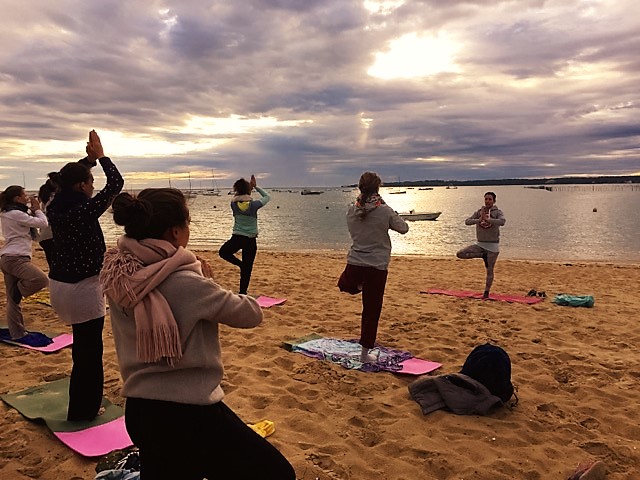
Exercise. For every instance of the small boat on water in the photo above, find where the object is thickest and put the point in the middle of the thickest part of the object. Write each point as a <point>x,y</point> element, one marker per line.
<point>214,191</point>
<point>413,216</point>
<point>398,193</point>
<point>310,192</point>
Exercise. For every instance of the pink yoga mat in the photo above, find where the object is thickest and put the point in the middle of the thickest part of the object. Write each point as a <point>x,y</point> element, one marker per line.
<point>99,440</point>
<point>492,296</point>
<point>59,342</point>
<point>266,302</point>
<point>417,366</point>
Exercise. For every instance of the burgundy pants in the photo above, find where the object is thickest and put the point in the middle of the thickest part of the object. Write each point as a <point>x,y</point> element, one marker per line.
<point>371,282</point>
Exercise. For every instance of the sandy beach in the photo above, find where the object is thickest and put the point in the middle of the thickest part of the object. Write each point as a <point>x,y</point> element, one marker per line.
<point>576,371</point>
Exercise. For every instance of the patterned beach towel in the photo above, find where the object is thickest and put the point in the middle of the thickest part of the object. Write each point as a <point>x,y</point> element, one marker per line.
<point>347,354</point>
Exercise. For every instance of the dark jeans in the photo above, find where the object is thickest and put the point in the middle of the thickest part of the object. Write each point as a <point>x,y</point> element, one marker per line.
<point>371,282</point>
<point>249,247</point>
<point>47,248</point>
<point>191,442</point>
<point>87,376</point>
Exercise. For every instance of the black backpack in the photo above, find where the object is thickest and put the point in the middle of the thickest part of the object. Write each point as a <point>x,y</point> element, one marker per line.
<point>491,366</point>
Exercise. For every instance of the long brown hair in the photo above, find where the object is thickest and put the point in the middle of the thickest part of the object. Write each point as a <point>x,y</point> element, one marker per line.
<point>9,194</point>
<point>369,184</point>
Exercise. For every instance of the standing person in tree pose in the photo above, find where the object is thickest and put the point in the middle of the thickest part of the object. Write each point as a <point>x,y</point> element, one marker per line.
<point>488,220</point>
<point>76,260</point>
<point>245,229</point>
<point>21,277</point>
<point>369,221</point>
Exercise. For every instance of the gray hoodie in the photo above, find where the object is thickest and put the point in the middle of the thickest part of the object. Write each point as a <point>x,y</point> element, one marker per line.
<point>496,219</point>
<point>371,245</point>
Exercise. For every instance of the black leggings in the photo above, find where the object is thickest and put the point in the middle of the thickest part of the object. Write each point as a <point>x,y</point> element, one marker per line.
<point>193,442</point>
<point>371,282</point>
<point>249,247</point>
<point>87,376</point>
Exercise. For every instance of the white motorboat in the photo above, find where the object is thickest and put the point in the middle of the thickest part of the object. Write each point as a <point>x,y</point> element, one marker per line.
<point>415,216</point>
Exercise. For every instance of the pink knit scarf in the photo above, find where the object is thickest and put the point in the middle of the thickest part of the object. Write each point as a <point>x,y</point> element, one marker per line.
<point>130,274</point>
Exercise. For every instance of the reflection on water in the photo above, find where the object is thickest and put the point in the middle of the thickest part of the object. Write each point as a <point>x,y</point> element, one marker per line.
<point>541,225</point>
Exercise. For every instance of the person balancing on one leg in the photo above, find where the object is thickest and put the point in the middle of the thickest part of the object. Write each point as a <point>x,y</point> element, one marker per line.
<point>488,221</point>
<point>369,220</point>
<point>245,229</point>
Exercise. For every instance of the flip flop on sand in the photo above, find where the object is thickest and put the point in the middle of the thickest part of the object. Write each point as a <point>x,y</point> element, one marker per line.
<point>589,470</point>
<point>534,293</point>
<point>264,428</point>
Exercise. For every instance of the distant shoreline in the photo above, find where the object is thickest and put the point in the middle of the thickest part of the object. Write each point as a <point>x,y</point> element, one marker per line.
<point>541,182</point>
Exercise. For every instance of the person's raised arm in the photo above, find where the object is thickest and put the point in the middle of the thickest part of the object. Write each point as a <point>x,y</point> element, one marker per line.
<point>265,197</point>
<point>95,151</point>
<point>115,182</point>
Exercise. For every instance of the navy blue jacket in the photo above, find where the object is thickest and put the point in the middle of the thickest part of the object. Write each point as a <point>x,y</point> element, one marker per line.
<point>78,242</point>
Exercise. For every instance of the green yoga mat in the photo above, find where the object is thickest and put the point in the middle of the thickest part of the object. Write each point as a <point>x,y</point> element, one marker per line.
<point>49,401</point>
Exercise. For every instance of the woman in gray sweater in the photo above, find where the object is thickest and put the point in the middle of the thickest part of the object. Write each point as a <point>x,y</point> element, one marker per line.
<point>165,315</point>
<point>369,220</point>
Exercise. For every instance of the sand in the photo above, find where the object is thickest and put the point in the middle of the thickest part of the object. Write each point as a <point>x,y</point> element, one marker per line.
<point>576,370</point>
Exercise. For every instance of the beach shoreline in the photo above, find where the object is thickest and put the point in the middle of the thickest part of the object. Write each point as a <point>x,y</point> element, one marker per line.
<point>576,370</point>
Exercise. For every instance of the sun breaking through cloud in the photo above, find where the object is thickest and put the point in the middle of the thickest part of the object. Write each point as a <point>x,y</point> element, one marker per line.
<point>412,56</point>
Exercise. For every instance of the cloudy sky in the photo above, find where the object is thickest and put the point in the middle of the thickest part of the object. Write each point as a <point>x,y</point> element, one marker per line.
<point>313,92</point>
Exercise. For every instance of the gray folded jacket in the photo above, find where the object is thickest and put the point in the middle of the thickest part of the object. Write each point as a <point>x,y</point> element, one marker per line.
<point>456,392</point>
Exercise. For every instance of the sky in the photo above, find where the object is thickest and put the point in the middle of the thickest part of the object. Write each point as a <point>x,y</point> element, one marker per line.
<point>315,92</point>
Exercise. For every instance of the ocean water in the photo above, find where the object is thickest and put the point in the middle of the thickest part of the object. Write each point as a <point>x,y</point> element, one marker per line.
<point>598,223</point>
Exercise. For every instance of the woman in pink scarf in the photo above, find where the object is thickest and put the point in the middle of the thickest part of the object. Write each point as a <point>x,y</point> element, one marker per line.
<point>165,315</point>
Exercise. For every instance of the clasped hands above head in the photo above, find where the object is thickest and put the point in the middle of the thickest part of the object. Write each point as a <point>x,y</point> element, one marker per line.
<point>94,146</point>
